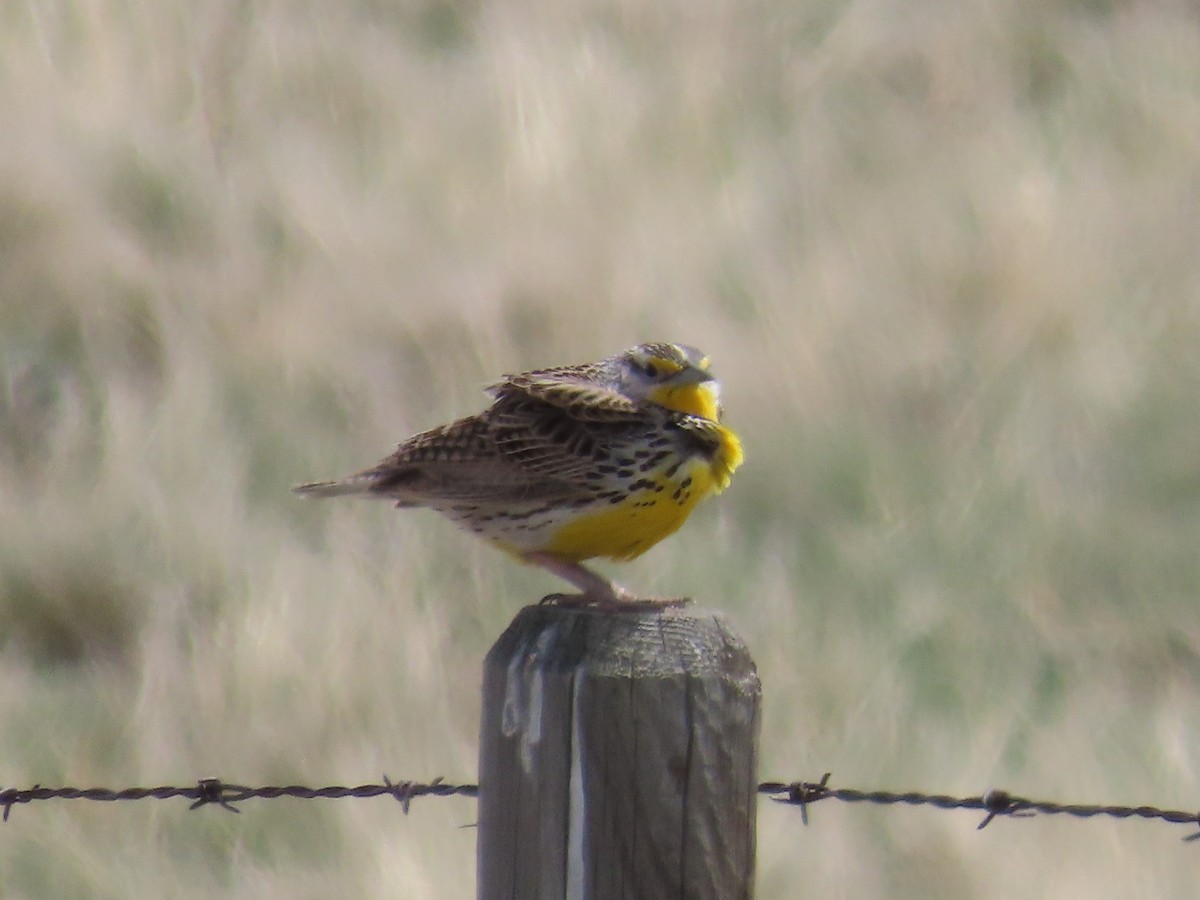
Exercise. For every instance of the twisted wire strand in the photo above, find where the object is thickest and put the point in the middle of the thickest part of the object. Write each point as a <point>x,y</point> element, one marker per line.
<point>215,792</point>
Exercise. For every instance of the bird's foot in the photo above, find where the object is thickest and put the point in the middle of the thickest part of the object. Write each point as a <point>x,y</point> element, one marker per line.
<point>597,592</point>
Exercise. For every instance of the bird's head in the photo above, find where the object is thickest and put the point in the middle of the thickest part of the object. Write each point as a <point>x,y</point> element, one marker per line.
<point>673,376</point>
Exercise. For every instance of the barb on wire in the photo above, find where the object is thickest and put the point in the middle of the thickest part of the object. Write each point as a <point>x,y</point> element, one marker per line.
<point>215,792</point>
<point>994,803</point>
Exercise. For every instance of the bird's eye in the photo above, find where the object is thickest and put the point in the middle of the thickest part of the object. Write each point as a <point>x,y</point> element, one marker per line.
<point>650,369</point>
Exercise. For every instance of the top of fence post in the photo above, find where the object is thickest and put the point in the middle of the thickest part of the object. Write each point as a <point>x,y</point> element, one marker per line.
<point>618,757</point>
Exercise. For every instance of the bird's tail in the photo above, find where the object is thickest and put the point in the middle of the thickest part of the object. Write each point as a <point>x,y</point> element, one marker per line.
<point>361,485</point>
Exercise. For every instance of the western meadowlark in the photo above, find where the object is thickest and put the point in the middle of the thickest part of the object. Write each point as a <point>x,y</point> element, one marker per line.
<point>603,459</point>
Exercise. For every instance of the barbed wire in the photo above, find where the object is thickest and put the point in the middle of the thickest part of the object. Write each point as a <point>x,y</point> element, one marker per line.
<point>994,803</point>
<point>214,792</point>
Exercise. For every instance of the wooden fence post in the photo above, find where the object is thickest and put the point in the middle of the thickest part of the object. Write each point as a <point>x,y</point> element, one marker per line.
<point>618,758</point>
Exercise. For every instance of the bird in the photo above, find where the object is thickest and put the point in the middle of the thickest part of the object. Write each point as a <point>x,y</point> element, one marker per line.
<point>568,464</point>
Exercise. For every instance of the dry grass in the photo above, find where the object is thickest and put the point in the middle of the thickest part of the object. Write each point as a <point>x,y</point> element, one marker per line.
<point>944,258</point>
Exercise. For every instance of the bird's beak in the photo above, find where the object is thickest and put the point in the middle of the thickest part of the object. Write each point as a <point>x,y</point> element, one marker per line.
<point>690,375</point>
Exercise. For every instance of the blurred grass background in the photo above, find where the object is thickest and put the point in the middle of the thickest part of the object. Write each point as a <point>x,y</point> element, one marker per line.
<point>943,256</point>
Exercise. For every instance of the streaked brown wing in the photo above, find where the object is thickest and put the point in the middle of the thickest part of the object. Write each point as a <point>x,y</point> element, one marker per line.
<point>461,462</point>
<point>545,431</point>
<point>583,399</point>
<point>551,441</point>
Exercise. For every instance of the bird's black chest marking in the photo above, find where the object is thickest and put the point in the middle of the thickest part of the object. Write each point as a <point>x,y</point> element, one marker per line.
<point>694,441</point>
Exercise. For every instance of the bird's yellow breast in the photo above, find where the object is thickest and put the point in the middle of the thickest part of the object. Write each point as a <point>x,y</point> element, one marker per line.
<point>629,528</point>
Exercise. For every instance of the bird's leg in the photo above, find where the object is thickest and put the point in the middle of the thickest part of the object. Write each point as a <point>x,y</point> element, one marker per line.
<point>597,590</point>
